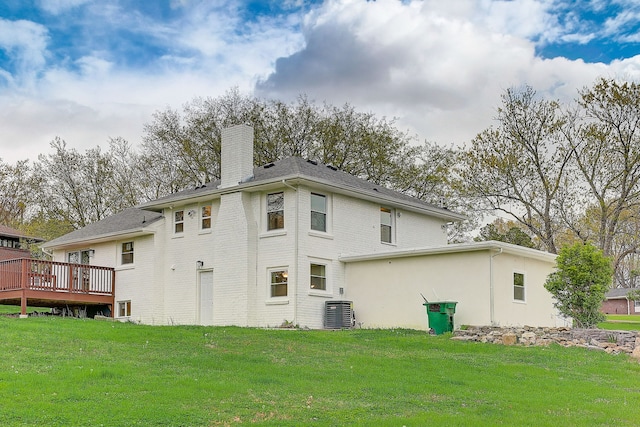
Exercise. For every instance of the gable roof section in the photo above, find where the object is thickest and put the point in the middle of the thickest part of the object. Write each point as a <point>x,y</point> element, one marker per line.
<point>296,168</point>
<point>129,221</point>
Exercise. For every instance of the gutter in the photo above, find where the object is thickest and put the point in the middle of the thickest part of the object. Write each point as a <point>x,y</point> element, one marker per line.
<point>99,238</point>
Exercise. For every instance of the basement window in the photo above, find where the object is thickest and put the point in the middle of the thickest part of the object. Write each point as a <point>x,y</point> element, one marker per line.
<point>124,308</point>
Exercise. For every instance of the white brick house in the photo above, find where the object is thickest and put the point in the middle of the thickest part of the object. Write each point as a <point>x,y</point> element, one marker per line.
<point>259,247</point>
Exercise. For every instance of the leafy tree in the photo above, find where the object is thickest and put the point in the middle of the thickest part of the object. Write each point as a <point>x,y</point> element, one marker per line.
<point>579,284</point>
<point>604,135</point>
<point>505,231</point>
<point>80,188</point>
<point>181,148</point>
<point>521,166</point>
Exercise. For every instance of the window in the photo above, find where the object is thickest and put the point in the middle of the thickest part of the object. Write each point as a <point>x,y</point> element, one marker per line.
<point>127,253</point>
<point>636,304</point>
<point>205,217</point>
<point>124,308</point>
<point>178,222</point>
<point>318,277</point>
<point>79,257</point>
<point>318,212</point>
<point>518,286</point>
<point>275,211</point>
<point>386,226</point>
<point>279,283</point>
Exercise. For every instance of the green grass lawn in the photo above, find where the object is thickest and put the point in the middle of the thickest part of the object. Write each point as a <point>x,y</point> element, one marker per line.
<point>72,372</point>
<point>623,322</point>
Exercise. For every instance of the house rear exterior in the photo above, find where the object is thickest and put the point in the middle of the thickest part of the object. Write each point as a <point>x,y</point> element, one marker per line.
<point>260,247</point>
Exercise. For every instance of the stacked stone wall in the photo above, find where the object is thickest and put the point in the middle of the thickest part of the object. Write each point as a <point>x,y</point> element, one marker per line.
<point>613,342</point>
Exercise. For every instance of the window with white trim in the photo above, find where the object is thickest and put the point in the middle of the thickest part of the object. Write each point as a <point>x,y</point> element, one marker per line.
<point>124,308</point>
<point>318,277</point>
<point>126,256</point>
<point>386,225</point>
<point>178,221</point>
<point>518,287</point>
<point>278,282</point>
<point>205,217</point>
<point>318,212</point>
<point>275,211</point>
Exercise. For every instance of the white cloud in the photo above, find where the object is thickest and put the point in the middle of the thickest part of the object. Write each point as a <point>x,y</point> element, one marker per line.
<point>25,42</point>
<point>440,67</point>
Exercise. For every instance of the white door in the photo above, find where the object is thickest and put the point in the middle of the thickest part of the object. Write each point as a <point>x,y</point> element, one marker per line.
<point>206,298</point>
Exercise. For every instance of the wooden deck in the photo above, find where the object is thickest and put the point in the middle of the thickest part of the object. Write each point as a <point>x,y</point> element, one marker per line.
<point>37,283</point>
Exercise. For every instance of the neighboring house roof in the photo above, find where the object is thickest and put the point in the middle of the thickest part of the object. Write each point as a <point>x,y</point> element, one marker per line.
<point>12,232</point>
<point>492,245</point>
<point>618,293</point>
<point>296,168</point>
<point>129,221</point>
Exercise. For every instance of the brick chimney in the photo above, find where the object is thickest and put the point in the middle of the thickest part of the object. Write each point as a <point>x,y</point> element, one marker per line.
<point>237,155</point>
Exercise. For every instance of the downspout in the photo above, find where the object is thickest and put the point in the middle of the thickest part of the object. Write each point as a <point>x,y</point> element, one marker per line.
<point>491,289</point>
<point>294,289</point>
<point>49,254</point>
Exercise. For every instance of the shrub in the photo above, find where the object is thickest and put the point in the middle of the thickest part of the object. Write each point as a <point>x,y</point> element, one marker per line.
<point>580,282</point>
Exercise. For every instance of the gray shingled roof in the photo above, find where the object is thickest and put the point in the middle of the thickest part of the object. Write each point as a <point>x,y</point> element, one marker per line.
<point>296,167</point>
<point>618,293</point>
<point>129,220</point>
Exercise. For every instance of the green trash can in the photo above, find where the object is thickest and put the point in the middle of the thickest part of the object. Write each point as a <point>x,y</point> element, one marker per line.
<point>440,315</point>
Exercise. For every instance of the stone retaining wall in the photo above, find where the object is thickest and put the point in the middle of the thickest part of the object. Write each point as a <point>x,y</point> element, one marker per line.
<point>613,342</point>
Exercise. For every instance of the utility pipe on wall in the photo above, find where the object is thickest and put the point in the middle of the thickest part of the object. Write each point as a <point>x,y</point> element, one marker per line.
<point>491,289</point>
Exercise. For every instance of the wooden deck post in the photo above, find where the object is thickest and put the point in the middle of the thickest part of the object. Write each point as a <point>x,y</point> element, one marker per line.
<point>113,292</point>
<point>24,281</point>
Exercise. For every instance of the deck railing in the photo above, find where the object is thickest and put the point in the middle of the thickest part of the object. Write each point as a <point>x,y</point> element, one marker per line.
<point>34,274</point>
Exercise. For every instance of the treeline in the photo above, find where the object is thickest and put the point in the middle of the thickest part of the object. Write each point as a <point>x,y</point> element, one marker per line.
<point>67,189</point>
<point>559,173</point>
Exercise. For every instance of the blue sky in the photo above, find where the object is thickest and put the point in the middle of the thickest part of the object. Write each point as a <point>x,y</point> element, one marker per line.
<point>87,70</point>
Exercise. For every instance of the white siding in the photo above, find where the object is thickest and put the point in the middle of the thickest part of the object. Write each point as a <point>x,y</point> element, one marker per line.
<point>386,292</point>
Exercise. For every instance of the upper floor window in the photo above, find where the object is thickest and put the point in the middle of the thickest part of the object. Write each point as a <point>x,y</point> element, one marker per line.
<point>205,217</point>
<point>127,253</point>
<point>279,283</point>
<point>386,225</point>
<point>318,277</point>
<point>275,211</point>
<point>518,286</point>
<point>178,221</point>
<point>318,212</point>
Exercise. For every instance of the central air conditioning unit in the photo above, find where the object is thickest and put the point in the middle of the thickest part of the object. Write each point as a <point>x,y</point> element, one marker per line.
<point>339,315</point>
